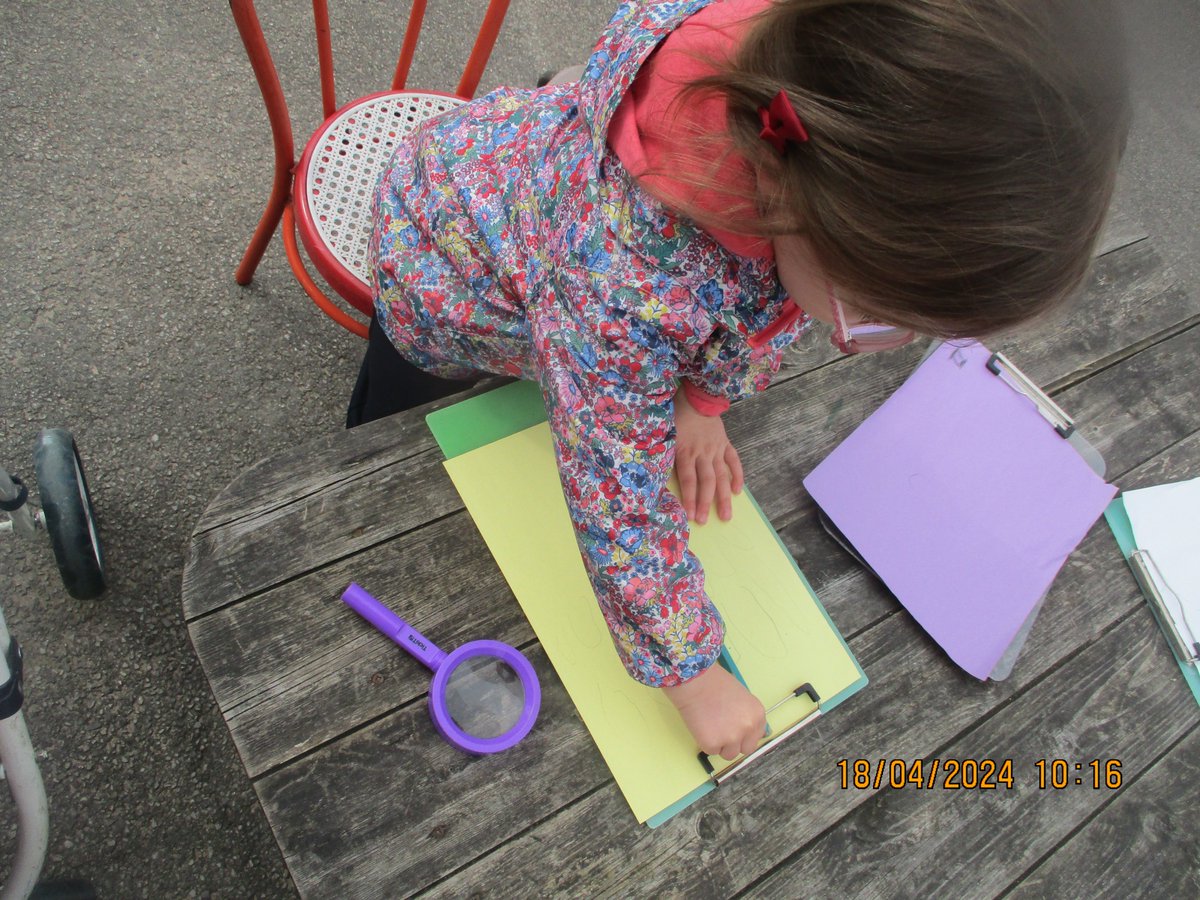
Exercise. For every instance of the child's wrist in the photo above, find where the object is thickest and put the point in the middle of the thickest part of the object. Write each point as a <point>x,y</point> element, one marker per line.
<point>701,401</point>
<point>681,693</point>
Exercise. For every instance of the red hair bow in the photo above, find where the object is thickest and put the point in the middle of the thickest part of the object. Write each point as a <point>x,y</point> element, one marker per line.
<point>780,123</point>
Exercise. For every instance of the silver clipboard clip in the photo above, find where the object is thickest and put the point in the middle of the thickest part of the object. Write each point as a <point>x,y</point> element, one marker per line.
<point>1002,367</point>
<point>1146,573</point>
<point>719,778</point>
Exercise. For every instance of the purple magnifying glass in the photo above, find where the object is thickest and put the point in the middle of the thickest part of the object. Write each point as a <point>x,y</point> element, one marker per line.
<point>484,696</point>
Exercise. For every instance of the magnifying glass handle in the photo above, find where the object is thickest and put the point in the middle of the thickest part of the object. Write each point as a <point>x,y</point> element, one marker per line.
<point>393,626</point>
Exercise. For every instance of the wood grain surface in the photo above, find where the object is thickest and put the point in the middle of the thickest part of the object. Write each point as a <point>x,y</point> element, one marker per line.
<point>366,800</point>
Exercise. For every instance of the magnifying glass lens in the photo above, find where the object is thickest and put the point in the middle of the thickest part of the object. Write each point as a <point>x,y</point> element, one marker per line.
<point>484,696</point>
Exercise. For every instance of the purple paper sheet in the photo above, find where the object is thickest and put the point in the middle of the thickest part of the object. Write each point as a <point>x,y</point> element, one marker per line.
<point>964,500</point>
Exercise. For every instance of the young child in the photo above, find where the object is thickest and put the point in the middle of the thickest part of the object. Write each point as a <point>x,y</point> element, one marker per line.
<point>646,241</point>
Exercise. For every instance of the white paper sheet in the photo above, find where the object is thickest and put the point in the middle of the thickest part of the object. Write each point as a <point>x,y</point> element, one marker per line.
<point>1166,524</point>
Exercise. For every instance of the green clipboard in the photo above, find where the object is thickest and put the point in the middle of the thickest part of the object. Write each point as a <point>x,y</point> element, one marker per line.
<point>482,420</point>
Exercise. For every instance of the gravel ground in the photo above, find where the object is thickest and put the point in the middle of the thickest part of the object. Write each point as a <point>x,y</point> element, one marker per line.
<point>136,163</point>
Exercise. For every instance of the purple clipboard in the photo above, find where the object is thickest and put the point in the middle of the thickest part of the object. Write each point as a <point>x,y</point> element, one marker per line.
<point>965,501</point>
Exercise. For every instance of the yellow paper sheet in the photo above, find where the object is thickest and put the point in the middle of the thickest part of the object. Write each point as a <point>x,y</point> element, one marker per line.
<point>776,631</point>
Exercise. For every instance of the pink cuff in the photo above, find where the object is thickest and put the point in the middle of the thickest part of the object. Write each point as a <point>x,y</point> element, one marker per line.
<point>702,401</point>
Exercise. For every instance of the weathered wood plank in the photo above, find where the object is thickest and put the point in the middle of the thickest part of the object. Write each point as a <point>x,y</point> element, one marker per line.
<point>1144,844</point>
<point>394,806</point>
<point>592,833</point>
<point>1094,590</point>
<point>326,524</point>
<point>294,667</point>
<point>1120,230</point>
<point>281,697</point>
<point>971,843</point>
<point>326,461</point>
<point>278,644</point>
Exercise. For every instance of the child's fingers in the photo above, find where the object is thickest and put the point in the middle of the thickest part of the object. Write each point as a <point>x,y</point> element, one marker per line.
<point>740,745</point>
<point>750,741</point>
<point>685,471</point>
<point>724,495</point>
<point>734,462</point>
<point>706,487</point>
<point>729,482</point>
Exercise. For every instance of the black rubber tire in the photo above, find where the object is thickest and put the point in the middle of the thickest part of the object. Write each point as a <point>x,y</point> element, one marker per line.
<point>70,518</point>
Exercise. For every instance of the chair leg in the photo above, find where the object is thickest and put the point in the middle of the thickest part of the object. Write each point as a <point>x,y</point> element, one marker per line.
<point>264,232</point>
<point>250,30</point>
<point>327,306</point>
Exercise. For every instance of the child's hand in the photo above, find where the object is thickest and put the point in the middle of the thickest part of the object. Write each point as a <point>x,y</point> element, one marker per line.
<point>706,464</point>
<point>723,717</point>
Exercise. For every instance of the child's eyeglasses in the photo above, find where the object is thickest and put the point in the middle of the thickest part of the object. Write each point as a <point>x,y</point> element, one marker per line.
<point>864,336</point>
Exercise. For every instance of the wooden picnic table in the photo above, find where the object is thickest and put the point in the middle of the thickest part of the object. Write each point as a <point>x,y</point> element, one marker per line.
<point>365,798</point>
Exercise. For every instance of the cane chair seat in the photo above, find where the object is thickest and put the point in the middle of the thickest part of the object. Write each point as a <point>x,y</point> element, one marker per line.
<point>337,175</point>
<point>324,201</point>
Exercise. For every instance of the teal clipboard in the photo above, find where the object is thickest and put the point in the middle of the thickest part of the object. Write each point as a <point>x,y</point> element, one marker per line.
<point>480,420</point>
<point>1118,521</point>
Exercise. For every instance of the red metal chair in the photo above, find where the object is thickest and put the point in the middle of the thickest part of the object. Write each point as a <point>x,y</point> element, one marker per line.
<point>326,197</point>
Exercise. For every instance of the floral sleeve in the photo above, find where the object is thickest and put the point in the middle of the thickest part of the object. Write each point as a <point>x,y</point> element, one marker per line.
<point>608,390</point>
<point>732,367</point>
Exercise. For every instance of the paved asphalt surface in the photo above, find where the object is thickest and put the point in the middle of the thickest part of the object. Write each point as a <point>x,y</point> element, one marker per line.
<point>135,164</point>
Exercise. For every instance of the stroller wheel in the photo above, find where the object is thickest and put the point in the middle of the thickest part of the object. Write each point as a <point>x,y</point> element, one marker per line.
<point>70,518</point>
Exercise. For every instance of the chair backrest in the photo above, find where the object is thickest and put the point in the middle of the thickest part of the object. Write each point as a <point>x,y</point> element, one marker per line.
<point>485,40</point>
<point>251,32</point>
<point>279,203</point>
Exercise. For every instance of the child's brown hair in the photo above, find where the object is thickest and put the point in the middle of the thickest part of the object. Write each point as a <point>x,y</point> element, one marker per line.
<point>962,153</point>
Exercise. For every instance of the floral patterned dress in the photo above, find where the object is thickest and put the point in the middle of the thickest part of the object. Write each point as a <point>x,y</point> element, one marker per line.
<point>509,239</point>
